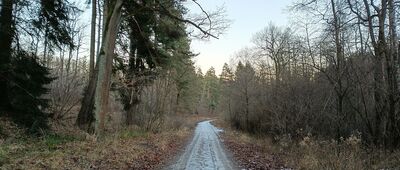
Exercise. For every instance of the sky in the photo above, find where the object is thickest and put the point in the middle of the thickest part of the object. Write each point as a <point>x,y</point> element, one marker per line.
<point>248,17</point>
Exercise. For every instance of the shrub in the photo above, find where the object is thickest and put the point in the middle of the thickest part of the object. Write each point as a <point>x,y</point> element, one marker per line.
<point>25,89</point>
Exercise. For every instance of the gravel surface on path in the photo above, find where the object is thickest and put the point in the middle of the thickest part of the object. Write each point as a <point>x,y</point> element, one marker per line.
<point>205,151</point>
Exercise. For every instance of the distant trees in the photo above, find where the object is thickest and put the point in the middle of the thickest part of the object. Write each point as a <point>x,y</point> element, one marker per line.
<point>275,43</point>
<point>336,77</point>
<point>152,36</point>
<point>244,88</point>
<point>212,90</point>
<point>226,79</point>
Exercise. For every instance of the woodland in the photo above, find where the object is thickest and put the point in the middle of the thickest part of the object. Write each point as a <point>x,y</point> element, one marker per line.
<point>325,86</point>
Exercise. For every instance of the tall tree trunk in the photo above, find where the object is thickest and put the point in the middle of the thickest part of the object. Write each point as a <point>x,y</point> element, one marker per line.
<point>379,54</point>
<point>77,54</point>
<point>99,27</point>
<point>96,94</point>
<point>85,115</point>
<point>6,37</point>
<point>45,59</point>
<point>92,38</point>
<point>105,64</point>
<point>247,108</point>
<point>339,69</point>
<point>132,98</point>
<point>381,89</point>
<point>392,71</point>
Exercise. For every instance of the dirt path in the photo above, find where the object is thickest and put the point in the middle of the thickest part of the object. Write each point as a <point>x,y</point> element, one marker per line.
<point>205,151</point>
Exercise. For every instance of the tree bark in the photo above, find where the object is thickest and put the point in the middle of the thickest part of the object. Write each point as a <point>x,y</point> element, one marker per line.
<point>85,116</point>
<point>96,94</point>
<point>339,69</point>
<point>99,28</point>
<point>92,38</point>
<point>392,71</point>
<point>105,65</point>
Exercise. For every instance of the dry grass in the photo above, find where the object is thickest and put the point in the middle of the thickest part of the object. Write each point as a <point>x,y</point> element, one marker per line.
<point>138,150</point>
<point>312,153</point>
<point>130,148</point>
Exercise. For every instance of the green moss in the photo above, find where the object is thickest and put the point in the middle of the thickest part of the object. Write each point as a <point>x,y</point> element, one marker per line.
<point>132,133</point>
<point>3,154</point>
<point>54,140</point>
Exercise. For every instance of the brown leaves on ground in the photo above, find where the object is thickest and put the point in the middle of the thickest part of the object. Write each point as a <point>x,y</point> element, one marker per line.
<point>247,152</point>
<point>251,156</point>
<point>161,152</point>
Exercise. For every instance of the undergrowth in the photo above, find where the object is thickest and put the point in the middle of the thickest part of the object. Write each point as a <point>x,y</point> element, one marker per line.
<point>347,153</point>
<point>311,152</point>
<point>69,148</point>
<point>129,133</point>
<point>52,141</point>
<point>3,154</point>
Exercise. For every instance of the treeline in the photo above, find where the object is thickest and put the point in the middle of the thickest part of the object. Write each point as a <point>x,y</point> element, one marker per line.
<point>333,74</point>
<point>136,70</point>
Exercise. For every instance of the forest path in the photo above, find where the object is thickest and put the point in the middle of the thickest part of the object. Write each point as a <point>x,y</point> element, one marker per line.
<point>205,151</point>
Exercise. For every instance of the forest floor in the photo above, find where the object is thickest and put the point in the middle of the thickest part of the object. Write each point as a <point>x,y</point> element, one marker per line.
<point>264,152</point>
<point>127,149</point>
<point>248,152</point>
<point>133,148</point>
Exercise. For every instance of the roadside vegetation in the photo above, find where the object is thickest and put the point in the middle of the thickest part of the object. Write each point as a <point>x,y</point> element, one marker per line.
<point>128,148</point>
<point>253,151</point>
<point>126,96</point>
<point>322,93</point>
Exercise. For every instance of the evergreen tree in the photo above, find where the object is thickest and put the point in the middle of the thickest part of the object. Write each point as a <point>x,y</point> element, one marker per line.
<point>226,79</point>
<point>244,87</point>
<point>226,74</point>
<point>212,89</point>
<point>22,77</point>
<point>27,82</point>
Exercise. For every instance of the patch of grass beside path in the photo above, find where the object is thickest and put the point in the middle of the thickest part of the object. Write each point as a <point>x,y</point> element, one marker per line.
<point>264,152</point>
<point>130,148</point>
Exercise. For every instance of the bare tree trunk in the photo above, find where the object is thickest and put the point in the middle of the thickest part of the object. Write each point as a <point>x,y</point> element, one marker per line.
<point>97,93</point>
<point>92,38</point>
<point>85,116</point>
<point>105,65</point>
<point>380,90</point>
<point>61,64</point>
<point>247,108</point>
<point>339,69</point>
<point>379,55</point>
<point>68,66</point>
<point>45,59</point>
<point>80,36</point>
<point>99,27</point>
<point>392,71</point>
